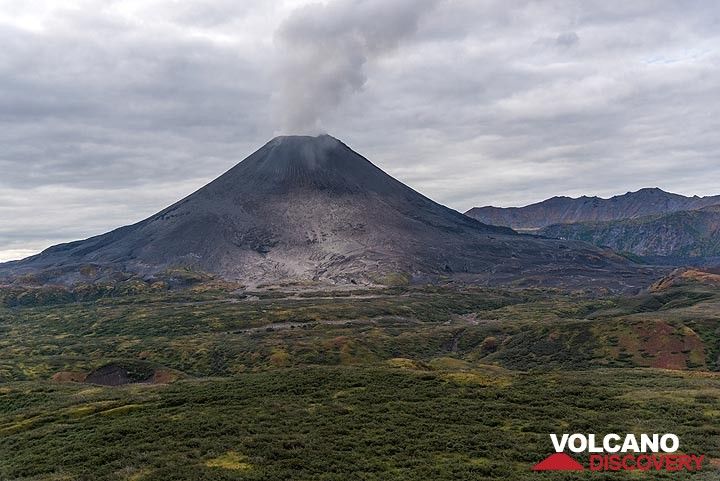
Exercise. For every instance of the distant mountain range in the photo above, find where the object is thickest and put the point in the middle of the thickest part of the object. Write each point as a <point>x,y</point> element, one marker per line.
<point>309,209</point>
<point>566,210</point>
<point>659,226</point>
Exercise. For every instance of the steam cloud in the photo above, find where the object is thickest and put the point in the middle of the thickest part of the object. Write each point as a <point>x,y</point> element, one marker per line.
<point>325,49</point>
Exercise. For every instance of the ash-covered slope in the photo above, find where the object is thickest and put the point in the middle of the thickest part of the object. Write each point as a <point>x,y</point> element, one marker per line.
<point>309,208</point>
<point>566,210</point>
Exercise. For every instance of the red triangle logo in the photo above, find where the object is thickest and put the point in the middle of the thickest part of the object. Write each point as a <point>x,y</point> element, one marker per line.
<point>558,462</point>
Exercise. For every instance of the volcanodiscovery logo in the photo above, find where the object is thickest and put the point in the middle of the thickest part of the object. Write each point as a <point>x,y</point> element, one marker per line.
<point>613,452</point>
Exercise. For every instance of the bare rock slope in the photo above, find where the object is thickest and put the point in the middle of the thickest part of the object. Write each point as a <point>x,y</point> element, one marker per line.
<point>688,237</point>
<point>311,209</point>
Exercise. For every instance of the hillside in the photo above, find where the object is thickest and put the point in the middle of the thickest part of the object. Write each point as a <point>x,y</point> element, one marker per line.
<point>396,384</point>
<point>680,237</point>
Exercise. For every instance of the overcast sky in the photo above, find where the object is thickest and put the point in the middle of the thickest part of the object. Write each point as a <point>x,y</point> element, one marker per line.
<point>112,110</point>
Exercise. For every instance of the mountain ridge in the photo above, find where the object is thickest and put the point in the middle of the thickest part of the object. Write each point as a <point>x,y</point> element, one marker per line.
<point>564,210</point>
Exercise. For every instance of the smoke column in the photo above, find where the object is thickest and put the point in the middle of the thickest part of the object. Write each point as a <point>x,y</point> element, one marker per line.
<point>324,50</point>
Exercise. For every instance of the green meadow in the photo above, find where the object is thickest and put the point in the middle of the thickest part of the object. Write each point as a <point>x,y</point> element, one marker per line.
<point>402,383</point>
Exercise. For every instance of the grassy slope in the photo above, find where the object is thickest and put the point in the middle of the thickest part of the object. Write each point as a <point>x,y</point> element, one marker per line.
<point>215,333</point>
<point>392,384</point>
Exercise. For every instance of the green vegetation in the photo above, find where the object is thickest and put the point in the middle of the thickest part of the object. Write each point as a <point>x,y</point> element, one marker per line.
<point>338,423</point>
<point>218,333</point>
<point>399,383</point>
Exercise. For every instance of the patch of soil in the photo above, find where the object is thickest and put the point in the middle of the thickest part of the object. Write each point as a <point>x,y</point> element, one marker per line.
<point>120,373</point>
<point>664,346</point>
<point>164,376</point>
<point>109,375</point>
<point>69,376</point>
<point>115,374</point>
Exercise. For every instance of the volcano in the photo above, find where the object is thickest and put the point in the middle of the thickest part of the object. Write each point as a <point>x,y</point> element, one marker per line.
<point>311,209</point>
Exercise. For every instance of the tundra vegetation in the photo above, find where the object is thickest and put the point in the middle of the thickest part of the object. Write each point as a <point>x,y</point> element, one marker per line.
<point>401,383</point>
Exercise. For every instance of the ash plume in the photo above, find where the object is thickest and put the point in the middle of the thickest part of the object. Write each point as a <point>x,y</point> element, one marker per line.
<point>324,50</point>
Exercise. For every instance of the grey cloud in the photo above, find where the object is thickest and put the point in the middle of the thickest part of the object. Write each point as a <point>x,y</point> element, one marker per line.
<point>567,39</point>
<point>107,116</point>
<point>82,110</point>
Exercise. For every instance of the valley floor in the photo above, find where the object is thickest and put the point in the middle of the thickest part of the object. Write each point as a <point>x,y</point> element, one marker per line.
<point>398,384</point>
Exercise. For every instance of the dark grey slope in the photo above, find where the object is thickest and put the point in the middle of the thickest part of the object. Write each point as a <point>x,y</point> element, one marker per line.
<point>565,210</point>
<point>309,208</point>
